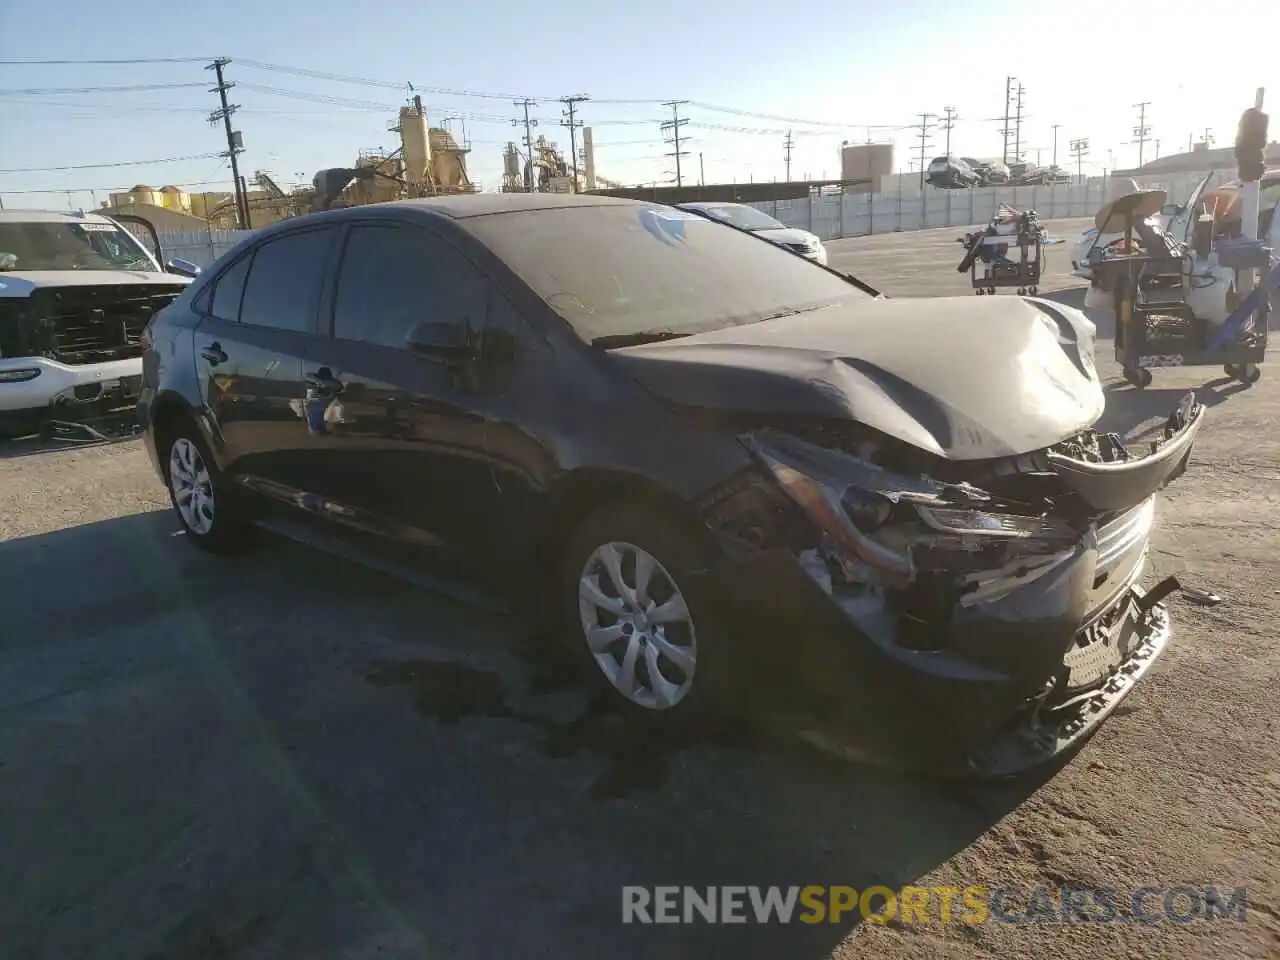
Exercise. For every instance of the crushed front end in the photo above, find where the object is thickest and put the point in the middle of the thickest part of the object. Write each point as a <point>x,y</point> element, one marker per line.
<point>73,354</point>
<point>970,616</point>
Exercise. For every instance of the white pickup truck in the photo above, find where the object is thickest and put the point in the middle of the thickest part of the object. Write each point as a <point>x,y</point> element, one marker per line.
<point>76,292</point>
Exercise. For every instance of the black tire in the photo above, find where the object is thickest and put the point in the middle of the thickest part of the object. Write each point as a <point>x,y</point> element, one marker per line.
<point>229,531</point>
<point>678,553</point>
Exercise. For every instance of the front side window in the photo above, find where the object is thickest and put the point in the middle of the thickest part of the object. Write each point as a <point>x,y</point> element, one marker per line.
<point>69,245</point>
<point>285,280</point>
<point>394,277</point>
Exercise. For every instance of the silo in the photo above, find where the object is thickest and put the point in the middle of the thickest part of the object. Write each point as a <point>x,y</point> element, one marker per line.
<point>416,141</point>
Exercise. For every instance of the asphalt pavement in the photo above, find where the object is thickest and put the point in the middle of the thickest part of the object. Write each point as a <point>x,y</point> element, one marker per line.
<point>290,756</point>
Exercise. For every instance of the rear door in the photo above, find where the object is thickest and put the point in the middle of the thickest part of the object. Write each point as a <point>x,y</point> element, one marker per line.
<point>259,318</point>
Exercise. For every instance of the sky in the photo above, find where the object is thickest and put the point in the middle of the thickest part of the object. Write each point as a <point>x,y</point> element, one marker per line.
<point>827,70</point>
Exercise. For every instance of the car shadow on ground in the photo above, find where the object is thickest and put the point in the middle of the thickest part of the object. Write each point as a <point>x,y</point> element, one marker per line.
<point>361,762</point>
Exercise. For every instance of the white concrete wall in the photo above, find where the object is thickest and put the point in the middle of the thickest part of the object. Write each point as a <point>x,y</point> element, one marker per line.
<point>865,213</point>
<point>201,247</point>
<point>858,215</point>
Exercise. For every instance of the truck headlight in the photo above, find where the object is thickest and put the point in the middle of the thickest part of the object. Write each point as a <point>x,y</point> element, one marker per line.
<point>20,375</point>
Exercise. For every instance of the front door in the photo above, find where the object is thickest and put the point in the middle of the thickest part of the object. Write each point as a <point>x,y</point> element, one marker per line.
<point>250,345</point>
<point>402,434</point>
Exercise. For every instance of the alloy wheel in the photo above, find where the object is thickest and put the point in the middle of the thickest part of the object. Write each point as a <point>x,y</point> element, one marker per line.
<point>191,485</point>
<point>637,625</point>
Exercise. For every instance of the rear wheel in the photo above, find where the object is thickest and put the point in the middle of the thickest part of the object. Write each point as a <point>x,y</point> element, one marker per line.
<point>635,621</point>
<point>198,492</point>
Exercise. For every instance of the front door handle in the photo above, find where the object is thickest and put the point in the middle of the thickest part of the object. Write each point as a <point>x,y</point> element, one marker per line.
<point>214,354</point>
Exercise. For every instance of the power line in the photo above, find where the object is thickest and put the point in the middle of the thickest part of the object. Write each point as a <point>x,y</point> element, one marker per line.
<point>61,91</point>
<point>1142,132</point>
<point>529,124</point>
<point>948,121</point>
<point>1017,125</point>
<point>235,143</point>
<point>1080,150</point>
<point>40,62</point>
<point>114,187</point>
<point>109,166</point>
<point>925,124</point>
<point>674,125</point>
<point>570,104</point>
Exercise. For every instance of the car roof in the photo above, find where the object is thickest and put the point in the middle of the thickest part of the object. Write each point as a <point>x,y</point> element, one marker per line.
<point>462,206</point>
<point>49,216</point>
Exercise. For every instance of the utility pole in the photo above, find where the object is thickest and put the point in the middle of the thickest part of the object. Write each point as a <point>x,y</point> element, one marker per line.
<point>571,106</point>
<point>1008,94</point>
<point>787,144</point>
<point>526,103</point>
<point>1080,150</point>
<point>948,121</point>
<point>1017,126</point>
<point>1055,144</point>
<point>235,143</point>
<point>674,125</point>
<point>702,171</point>
<point>925,123</point>
<point>1208,136</point>
<point>1142,132</point>
<point>1157,149</point>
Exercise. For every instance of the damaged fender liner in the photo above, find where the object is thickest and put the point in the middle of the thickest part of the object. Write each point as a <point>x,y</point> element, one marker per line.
<point>1120,483</point>
<point>1046,731</point>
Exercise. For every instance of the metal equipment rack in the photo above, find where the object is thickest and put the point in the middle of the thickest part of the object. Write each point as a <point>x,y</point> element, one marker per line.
<point>1154,325</point>
<point>989,266</point>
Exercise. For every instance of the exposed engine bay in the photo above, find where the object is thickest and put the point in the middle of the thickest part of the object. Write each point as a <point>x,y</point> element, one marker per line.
<point>929,556</point>
<point>82,324</point>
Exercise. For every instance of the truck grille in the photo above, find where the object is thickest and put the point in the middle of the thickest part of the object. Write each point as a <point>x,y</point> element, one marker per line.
<point>94,324</point>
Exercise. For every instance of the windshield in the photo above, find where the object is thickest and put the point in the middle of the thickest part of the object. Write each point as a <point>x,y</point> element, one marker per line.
<point>616,270</point>
<point>67,245</point>
<point>743,217</point>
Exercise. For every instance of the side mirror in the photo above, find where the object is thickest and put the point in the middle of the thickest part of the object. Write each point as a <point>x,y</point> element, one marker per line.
<point>441,341</point>
<point>183,268</point>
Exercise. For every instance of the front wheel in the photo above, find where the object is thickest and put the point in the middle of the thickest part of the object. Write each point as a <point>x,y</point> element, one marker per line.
<point>638,624</point>
<point>198,492</point>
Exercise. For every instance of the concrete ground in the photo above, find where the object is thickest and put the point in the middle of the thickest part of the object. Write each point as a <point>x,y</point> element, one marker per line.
<point>289,756</point>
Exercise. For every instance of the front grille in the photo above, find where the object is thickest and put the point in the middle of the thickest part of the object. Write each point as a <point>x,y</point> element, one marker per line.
<point>797,247</point>
<point>94,324</point>
<point>1122,544</point>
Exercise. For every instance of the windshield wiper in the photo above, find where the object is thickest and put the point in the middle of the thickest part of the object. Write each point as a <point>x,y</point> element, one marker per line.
<point>615,340</point>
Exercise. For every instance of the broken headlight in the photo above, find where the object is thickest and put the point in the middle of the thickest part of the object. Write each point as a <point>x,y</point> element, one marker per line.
<point>887,529</point>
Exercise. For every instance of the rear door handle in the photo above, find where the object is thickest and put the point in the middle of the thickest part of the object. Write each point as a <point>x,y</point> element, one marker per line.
<point>214,354</point>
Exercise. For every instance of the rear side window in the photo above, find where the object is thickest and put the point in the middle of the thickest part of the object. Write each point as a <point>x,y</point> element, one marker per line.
<point>394,277</point>
<point>283,289</point>
<point>228,289</point>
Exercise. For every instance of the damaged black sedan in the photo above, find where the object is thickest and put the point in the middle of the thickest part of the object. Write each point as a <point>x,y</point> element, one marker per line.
<point>733,478</point>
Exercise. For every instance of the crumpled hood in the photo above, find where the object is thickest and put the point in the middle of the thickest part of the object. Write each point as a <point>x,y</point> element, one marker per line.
<point>962,377</point>
<point>22,283</point>
<point>787,235</point>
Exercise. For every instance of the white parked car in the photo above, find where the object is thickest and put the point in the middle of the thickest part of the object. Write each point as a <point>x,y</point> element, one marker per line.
<point>760,223</point>
<point>77,290</point>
